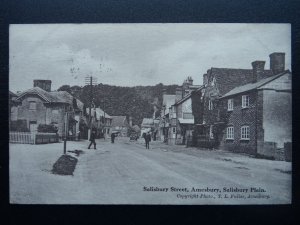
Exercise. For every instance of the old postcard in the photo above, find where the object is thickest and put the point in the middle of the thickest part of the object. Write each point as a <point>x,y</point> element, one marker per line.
<point>163,114</point>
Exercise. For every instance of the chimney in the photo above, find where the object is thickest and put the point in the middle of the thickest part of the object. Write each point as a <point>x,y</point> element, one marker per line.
<point>205,80</point>
<point>44,84</point>
<point>190,80</point>
<point>258,70</point>
<point>277,62</point>
<point>178,94</point>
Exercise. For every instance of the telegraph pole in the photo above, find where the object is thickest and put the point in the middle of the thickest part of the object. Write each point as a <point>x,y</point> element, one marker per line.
<point>66,132</point>
<point>90,80</point>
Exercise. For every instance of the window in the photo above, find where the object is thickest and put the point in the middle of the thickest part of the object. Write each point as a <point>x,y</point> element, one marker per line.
<point>245,133</point>
<point>230,105</point>
<point>245,101</point>
<point>32,105</point>
<point>174,130</point>
<point>55,111</point>
<point>210,105</point>
<point>230,133</point>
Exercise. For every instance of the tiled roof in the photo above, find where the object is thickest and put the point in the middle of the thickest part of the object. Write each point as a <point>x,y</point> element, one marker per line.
<point>227,78</point>
<point>99,113</point>
<point>200,87</point>
<point>53,96</point>
<point>119,121</point>
<point>194,86</point>
<point>183,99</point>
<point>11,94</point>
<point>252,86</point>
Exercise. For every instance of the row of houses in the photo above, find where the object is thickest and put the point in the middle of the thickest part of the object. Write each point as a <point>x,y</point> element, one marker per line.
<point>241,110</point>
<point>59,109</point>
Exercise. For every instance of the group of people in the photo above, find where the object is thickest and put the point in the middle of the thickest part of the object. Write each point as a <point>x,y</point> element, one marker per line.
<point>93,139</point>
<point>146,136</point>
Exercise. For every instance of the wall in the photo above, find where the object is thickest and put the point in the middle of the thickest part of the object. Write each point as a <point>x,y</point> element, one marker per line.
<point>238,118</point>
<point>38,115</point>
<point>43,113</point>
<point>56,114</point>
<point>14,113</point>
<point>277,115</point>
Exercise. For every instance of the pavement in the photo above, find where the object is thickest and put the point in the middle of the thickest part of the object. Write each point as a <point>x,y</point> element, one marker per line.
<point>127,173</point>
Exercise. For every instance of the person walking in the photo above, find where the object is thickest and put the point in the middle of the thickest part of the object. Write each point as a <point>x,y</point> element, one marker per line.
<point>92,139</point>
<point>112,136</point>
<point>148,139</point>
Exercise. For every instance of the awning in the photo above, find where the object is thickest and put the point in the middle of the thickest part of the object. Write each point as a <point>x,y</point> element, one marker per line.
<point>186,121</point>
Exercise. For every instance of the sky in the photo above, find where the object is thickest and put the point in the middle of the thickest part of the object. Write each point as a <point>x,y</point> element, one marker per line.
<point>137,54</point>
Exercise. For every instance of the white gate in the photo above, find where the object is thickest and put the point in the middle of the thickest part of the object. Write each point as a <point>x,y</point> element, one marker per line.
<point>22,137</point>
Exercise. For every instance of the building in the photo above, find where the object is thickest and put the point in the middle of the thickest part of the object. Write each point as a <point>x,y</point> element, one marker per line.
<point>181,117</point>
<point>119,124</point>
<point>164,122</point>
<point>40,105</point>
<point>13,106</point>
<point>147,125</point>
<point>101,121</point>
<point>259,114</point>
<point>182,120</point>
<point>241,109</point>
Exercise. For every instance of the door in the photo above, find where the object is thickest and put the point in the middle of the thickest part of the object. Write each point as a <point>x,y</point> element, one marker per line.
<point>33,126</point>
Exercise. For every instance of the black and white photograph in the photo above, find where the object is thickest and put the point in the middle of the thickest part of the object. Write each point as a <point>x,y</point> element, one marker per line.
<point>150,114</point>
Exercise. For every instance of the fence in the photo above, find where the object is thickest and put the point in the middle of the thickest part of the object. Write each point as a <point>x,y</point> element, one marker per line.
<point>32,137</point>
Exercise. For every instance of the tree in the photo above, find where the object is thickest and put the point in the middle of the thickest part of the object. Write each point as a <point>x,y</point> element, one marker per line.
<point>66,88</point>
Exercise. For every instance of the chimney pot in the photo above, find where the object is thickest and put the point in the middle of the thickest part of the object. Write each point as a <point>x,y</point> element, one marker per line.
<point>277,62</point>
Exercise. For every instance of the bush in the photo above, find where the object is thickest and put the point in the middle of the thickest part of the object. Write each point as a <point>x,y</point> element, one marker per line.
<point>47,128</point>
<point>19,126</point>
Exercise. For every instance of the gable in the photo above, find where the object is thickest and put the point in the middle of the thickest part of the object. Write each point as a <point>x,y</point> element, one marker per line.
<point>187,106</point>
<point>281,83</point>
<point>32,97</point>
<point>226,79</point>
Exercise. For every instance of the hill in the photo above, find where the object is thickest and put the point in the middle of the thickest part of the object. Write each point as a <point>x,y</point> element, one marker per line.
<point>135,101</point>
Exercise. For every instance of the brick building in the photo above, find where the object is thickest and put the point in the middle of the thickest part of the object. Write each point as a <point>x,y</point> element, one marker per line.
<point>40,105</point>
<point>245,110</point>
<point>258,114</point>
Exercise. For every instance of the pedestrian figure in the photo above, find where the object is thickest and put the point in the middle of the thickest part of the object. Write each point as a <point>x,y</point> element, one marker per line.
<point>147,140</point>
<point>112,138</point>
<point>92,139</point>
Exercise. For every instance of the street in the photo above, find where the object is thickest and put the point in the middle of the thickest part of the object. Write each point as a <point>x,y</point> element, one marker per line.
<point>126,173</point>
